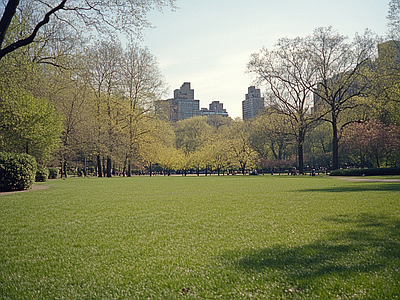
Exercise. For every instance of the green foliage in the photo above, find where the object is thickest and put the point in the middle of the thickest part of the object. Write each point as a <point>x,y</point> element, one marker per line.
<point>28,124</point>
<point>53,173</point>
<point>366,172</point>
<point>17,171</point>
<point>42,174</point>
<point>192,133</point>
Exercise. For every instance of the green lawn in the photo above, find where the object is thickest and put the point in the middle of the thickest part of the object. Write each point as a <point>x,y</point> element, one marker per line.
<point>236,237</point>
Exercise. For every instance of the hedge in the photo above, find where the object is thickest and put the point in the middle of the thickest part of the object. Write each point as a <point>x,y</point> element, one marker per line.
<point>17,171</point>
<point>42,174</point>
<point>366,172</point>
<point>53,173</point>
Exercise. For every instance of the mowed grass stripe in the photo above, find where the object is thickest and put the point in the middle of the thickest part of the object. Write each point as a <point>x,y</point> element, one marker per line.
<point>202,238</point>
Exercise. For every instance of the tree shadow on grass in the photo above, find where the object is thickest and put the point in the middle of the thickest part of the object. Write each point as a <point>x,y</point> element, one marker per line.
<point>371,247</point>
<point>358,187</point>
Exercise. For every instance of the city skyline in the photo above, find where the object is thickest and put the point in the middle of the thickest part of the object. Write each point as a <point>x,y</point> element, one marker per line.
<point>209,43</point>
<point>184,106</point>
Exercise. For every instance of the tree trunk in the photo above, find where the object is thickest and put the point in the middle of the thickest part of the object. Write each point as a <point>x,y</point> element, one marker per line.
<point>335,145</point>
<point>300,151</point>
<point>64,167</point>
<point>84,167</point>
<point>108,166</point>
<point>124,169</point>
<point>129,168</point>
<point>301,158</point>
<point>150,169</point>
<point>99,170</point>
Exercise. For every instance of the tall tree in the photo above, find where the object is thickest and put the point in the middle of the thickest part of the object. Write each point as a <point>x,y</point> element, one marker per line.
<point>141,84</point>
<point>73,100</point>
<point>289,77</point>
<point>102,72</point>
<point>323,66</point>
<point>343,72</point>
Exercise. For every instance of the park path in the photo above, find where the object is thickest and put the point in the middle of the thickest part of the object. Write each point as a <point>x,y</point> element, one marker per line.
<point>35,188</point>
<point>369,179</point>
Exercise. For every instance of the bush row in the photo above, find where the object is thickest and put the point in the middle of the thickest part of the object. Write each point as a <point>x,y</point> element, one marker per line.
<point>53,173</point>
<point>366,172</point>
<point>42,174</point>
<point>20,171</point>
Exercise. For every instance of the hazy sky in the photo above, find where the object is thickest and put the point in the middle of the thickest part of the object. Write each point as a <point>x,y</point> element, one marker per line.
<point>209,42</point>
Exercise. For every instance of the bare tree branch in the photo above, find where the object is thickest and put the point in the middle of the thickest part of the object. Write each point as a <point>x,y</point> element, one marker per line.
<point>29,39</point>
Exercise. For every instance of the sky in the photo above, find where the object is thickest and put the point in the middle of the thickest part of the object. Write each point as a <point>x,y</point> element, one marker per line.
<point>209,42</point>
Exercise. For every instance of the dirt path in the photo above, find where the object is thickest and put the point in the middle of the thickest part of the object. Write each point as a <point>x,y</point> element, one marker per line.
<point>35,188</point>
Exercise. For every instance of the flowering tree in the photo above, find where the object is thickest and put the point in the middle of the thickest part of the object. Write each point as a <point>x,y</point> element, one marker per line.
<point>372,141</point>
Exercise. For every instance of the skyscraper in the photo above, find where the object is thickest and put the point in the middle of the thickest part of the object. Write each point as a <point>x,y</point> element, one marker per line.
<point>215,109</point>
<point>183,105</point>
<point>253,104</point>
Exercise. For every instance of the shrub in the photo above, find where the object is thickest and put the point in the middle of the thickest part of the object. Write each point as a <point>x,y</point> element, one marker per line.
<point>42,174</point>
<point>53,173</point>
<point>17,171</point>
<point>366,172</point>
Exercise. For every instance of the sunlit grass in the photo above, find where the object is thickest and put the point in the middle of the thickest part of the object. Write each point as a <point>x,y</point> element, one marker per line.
<point>212,237</point>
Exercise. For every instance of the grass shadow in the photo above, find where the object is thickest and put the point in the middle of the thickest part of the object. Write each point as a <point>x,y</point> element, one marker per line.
<point>368,252</point>
<point>357,187</point>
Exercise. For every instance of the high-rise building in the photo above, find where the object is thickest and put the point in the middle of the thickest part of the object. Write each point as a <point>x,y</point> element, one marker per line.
<point>184,106</point>
<point>215,108</point>
<point>253,104</point>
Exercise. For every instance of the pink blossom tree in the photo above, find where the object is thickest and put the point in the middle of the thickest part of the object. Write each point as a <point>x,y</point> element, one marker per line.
<point>371,141</point>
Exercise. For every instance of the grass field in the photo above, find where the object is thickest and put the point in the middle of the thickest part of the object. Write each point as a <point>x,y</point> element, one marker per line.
<point>236,237</point>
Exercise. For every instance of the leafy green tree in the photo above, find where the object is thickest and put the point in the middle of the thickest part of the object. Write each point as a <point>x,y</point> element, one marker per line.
<point>220,156</point>
<point>271,135</point>
<point>169,158</point>
<point>159,136</point>
<point>200,159</point>
<point>28,125</point>
<point>192,133</point>
<point>239,144</point>
<point>318,146</point>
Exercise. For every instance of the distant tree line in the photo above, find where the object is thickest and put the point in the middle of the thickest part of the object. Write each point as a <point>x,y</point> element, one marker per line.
<point>78,103</point>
